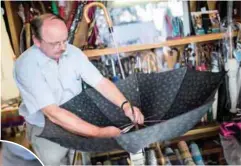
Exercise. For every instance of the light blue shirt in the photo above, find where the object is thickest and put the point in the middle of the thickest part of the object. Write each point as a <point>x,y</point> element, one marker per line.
<point>42,81</point>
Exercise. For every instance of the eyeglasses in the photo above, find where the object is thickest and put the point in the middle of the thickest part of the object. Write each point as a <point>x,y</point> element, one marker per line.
<point>56,45</point>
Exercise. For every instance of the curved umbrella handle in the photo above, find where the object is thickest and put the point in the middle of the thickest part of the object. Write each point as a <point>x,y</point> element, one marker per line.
<point>107,16</point>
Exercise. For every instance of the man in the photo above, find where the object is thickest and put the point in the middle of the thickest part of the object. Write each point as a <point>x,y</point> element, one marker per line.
<point>49,74</point>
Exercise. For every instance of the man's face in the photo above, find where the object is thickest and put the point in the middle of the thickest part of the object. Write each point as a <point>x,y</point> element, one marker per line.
<point>54,38</point>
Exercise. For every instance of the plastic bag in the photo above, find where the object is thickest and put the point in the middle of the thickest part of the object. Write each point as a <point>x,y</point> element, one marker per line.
<point>231,149</point>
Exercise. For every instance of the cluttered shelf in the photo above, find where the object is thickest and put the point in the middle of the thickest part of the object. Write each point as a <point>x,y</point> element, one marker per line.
<point>176,42</point>
<point>205,131</point>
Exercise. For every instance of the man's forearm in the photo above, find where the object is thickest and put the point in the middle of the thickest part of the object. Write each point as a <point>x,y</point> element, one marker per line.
<point>110,91</point>
<point>70,122</point>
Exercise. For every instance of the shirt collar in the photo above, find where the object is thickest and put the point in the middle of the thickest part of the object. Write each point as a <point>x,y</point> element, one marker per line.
<point>44,60</point>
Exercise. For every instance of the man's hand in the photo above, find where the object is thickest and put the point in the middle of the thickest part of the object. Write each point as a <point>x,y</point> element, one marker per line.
<point>137,117</point>
<point>74,124</point>
<point>109,131</point>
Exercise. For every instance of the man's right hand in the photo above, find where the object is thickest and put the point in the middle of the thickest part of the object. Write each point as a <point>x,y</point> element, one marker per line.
<point>109,131</point>
<point>69,120</point>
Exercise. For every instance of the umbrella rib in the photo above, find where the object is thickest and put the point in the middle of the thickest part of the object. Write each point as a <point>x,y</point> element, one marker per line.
<point>150,116</point>
<point>183,78</point>
<point>126,125</point>
<point>153,121</point>
<point>146,121</point>
<point>125,130</point>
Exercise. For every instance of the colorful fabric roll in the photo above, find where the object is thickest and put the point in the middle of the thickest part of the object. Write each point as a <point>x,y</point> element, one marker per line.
<point>77,18</point>
<point>185,153</point>
<point>138,158</point>
<point>167,161</point>
<point>72,14</point>
<point>62,5</point>
<point>179,157</point>
<point>196,154</point>
<point>172,157</point>
<point>151,157</point>
<point>54,8</point>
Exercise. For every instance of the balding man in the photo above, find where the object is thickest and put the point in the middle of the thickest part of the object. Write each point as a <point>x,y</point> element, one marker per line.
<point>49,74</point>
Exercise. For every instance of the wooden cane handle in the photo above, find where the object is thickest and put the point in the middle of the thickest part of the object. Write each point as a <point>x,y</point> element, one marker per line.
<point>98,4</point>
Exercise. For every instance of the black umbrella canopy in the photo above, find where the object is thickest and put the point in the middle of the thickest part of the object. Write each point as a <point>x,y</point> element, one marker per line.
<point>179,97</point>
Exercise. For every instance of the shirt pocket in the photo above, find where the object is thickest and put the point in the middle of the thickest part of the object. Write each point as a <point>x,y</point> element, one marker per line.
<point>51,78</point>
<point>71,81</point>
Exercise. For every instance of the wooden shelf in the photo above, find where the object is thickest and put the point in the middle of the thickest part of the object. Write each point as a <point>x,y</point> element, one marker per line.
<point>176,42</point>
<point>198,133</point>
<point>203,129</point>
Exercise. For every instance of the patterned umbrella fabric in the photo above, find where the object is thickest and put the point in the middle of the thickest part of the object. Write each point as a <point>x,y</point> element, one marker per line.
<point>176,100</point>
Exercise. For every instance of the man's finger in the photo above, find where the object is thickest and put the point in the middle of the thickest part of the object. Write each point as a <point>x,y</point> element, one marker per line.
<point>139,120</point>
<point>142,119</point>
<point>136,114</point>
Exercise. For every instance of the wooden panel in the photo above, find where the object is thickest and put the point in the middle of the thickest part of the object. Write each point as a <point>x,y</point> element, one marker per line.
<point>14,23</point>
<point>198,133</point>
<point>177,42</point>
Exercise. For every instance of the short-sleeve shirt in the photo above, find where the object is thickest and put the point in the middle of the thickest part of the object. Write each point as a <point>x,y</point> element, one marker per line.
<point>43,81</point>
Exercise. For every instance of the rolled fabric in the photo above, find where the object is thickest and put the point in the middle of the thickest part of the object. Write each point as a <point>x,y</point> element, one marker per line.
<point>151,157</point>
<point>179,156</point>
<point>172,157</point>
<point>75,22</point>
<point>72,13</point>
<point>196,154</point>
<point>61,8</point>
<point>185,153</point>
<point>54,8</point>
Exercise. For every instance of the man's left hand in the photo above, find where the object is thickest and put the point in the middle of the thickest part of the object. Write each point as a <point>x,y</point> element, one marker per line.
<point>136,117</point>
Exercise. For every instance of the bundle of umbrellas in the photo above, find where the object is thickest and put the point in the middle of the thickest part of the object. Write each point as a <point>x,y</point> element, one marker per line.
<point>172,103</point>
